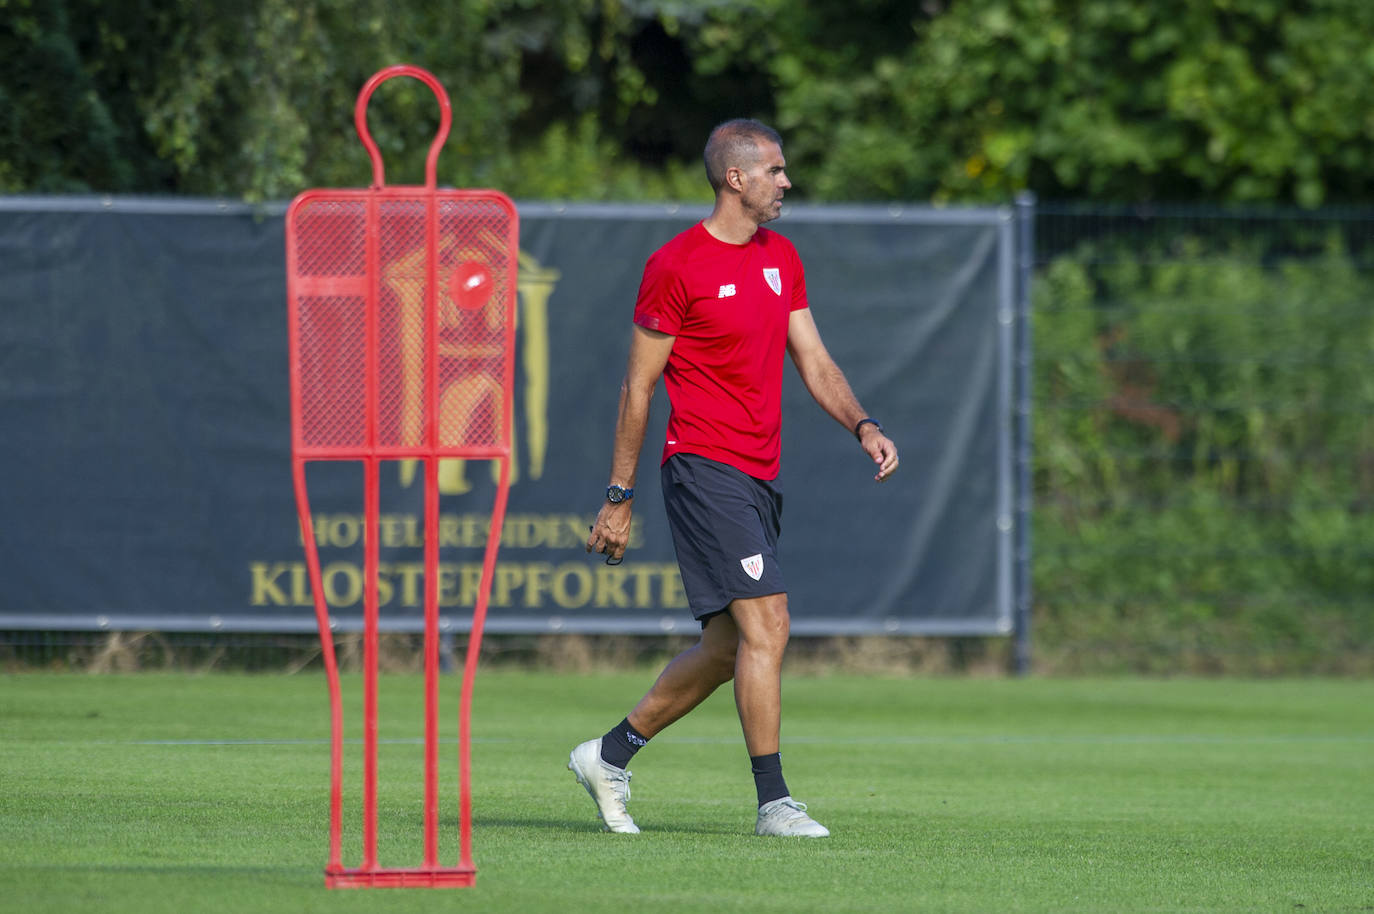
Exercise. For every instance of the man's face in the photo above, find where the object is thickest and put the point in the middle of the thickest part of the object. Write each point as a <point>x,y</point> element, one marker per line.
<point>764,182</point>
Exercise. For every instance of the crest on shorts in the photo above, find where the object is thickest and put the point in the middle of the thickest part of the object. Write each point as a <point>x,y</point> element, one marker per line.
<point>774,279</point>
<point>753,566</point>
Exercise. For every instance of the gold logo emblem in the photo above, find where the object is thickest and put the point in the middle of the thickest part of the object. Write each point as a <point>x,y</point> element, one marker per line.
<point>477,391</point>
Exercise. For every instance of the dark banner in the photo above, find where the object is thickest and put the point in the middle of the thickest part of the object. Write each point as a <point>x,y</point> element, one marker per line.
<point>145,431</point>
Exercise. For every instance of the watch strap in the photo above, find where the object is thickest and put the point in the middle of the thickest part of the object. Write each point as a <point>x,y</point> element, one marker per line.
<point>867,420</point>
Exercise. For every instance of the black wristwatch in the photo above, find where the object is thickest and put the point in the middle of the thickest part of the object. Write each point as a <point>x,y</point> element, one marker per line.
<point>616,494</point>
<point>860,426</point>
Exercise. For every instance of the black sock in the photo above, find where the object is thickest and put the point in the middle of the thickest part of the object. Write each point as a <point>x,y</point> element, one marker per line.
<point>620,744</point>
<point>768,777</point>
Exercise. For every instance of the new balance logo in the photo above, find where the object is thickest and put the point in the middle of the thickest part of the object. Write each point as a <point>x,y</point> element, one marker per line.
<point>726,290</point>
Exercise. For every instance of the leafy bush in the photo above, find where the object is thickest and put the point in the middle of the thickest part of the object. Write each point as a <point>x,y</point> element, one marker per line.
<point>1204,451</point>
<point>1248,100</point>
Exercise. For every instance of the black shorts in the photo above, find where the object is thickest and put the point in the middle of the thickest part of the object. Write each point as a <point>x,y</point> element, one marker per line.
<point>725,527</point>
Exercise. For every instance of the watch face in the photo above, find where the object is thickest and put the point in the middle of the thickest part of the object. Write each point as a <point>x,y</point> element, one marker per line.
<point>615,495</point>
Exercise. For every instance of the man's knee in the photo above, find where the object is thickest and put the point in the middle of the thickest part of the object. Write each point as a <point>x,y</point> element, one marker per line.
<point>764,622</point>
<point>723,663</point>
<point>719,642</point>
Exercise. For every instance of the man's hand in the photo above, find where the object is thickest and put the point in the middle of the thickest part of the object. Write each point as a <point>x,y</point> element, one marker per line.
<point>880,448</point>
<point>611,533</point>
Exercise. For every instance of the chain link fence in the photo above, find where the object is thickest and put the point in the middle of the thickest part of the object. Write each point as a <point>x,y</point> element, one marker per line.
<point>1202,468</point>
<point>1204,439</point>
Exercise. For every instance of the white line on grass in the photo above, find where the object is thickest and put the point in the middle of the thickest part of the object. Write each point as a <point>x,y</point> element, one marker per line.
<point>1113,739</point>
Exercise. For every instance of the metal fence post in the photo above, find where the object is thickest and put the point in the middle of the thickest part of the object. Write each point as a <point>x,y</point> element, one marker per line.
<point>1025,244</point>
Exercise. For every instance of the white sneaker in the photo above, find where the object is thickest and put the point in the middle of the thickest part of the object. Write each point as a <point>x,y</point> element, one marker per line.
<point>608,785</point>
<point>788,817</point>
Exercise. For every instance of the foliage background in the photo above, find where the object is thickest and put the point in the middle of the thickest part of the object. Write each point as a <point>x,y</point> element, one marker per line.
<point>1204,450</point>
<point>1128,100</point>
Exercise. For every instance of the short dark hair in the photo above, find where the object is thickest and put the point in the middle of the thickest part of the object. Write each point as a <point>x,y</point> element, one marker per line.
<point>734,144</point>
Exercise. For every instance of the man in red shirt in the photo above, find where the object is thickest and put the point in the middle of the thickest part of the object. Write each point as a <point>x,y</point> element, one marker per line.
<point>718,306</point>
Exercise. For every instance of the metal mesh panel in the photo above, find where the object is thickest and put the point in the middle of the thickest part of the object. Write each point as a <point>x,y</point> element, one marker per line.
<point>466,369</point>
<point>403,356</point>
<point>331,329</point>
<point>475,322</point>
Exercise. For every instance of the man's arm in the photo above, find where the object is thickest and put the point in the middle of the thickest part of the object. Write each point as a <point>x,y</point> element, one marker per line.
<point>649,351</point>
<point>827,385</point>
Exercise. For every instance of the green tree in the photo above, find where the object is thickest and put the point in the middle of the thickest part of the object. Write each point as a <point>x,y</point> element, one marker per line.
<point>1226,100</point>
<point>1223,100</point>
<point>1203,482</point>
<point>256,99</point>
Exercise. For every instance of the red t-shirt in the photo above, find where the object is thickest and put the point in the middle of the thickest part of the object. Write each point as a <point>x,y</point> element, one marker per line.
<point>728,306</point>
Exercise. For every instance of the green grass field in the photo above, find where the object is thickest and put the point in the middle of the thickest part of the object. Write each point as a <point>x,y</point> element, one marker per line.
<point>209,793</point>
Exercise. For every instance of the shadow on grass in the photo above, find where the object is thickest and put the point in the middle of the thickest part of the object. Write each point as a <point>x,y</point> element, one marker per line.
<point>583,826</point>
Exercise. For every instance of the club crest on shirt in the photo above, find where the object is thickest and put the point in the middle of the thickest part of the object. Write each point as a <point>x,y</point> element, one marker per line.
<point>774,279</point>
<point>753,565</point>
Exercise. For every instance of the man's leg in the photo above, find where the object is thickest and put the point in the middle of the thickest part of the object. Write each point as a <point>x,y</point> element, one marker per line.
<point>686,682</point>
<point>690,677</point>
<point>764,626</point>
